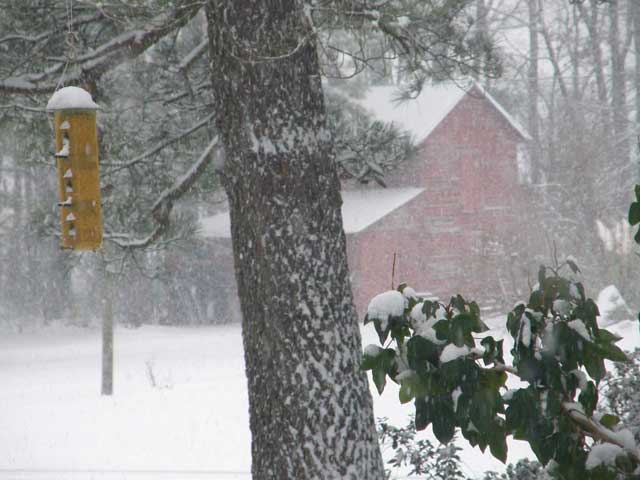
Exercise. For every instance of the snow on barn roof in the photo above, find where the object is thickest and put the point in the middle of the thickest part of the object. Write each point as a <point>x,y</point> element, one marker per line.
<point>420,116</point>
<point>360,208</point>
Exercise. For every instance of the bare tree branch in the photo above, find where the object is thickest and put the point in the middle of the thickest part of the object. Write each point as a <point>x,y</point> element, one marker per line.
<point>194,55</point>
<point>596,430</point>
<point>164,205</point>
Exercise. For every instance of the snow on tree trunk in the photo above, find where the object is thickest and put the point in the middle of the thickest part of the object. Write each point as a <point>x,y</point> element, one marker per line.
<point>310,408</point>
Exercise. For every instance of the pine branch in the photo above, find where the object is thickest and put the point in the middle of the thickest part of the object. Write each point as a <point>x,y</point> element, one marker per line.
<point>161,146</point>
<point>162,208</point>
<point>93,64</point>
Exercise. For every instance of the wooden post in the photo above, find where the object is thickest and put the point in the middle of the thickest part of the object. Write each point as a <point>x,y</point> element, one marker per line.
<point>107,337</point>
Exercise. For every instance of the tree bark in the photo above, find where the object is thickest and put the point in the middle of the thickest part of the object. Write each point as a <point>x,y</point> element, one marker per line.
<point>482,26</point>
<point>310,408</point>
<point>591,21</point>
<point>533,90</point>
<point>619,110</point>
<point>635,13</point>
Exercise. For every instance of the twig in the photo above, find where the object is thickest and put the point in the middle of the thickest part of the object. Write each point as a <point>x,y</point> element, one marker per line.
<point>393,271</point>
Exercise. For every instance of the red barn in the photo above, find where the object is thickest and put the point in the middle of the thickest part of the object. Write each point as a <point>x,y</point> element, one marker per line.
<point>449,216</point>
<point>458,234</point>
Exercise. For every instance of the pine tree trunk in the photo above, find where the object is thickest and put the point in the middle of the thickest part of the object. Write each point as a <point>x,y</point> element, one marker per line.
<point>310,408</point>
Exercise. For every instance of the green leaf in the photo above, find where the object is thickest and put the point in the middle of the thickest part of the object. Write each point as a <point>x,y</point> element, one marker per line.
<point>595,367</point>
<point>513,323</point>
<point>588,398</point>
<point>423,414</point>
<point>385,365</point>
<point>485,404</point>
<point>379,378</point>
<point>637,236</point>
<point>460,330</point>
<point>459,372</point>
<point>442,330</point>
<point>625,464</point>
<point>613,353</point>
<point>470,433</point>
<point>382,334</point>
<point>529,368</point>
<point>474,309</point>
<point>478,325</point>
<point>490,350</point>
<point>399,329</point>
<point>554,404</point>
<point>458,303</point>
<point>411,386</point>
<point>498,443</point>
<point>493,379</point>
<point>419,351</point>
<point>370,361</point>
<point>634,213</point>
<point>591,309</point>
<point>637,191</point>
<point>518,414</point>
<point>443,419</point>
<point>552,372</point>
<point>606,336</point>
<point>406,392</point>
<point>609,420</point>
<point>499,350</point>
<point>536,300</point>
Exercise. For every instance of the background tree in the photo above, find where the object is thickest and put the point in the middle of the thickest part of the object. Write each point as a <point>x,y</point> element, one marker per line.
<point>569,70</point>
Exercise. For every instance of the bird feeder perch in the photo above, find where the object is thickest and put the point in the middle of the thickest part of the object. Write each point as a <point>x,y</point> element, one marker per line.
<point>78,169</point>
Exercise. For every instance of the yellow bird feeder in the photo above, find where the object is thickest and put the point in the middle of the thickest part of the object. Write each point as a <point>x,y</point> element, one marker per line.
<point>78,169</point>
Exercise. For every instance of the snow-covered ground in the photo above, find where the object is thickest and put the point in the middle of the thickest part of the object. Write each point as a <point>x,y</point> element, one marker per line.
<point>179,406</point>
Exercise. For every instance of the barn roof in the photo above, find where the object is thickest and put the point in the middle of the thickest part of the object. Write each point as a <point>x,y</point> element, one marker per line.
<point>360,208</point>
<point>420,116</point>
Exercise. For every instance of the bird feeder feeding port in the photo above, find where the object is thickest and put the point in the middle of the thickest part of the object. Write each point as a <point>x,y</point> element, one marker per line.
<point>78,169</point>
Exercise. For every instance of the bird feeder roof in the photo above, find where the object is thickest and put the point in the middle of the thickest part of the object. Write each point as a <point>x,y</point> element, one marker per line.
<point>71,98</point>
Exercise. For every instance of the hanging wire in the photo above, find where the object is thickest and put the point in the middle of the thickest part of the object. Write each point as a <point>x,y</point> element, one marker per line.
<point>70,41</point>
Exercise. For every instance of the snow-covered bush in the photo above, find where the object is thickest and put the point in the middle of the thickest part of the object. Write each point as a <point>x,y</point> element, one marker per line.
<point>620,390</point>
<point>524,469</point>
<point>457,377</point>
<point>417,456</point>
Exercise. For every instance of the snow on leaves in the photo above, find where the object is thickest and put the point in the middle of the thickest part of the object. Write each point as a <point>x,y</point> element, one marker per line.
<point>457,377</point>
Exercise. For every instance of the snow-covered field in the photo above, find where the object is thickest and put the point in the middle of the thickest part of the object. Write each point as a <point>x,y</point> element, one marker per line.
<point>179,408</point>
